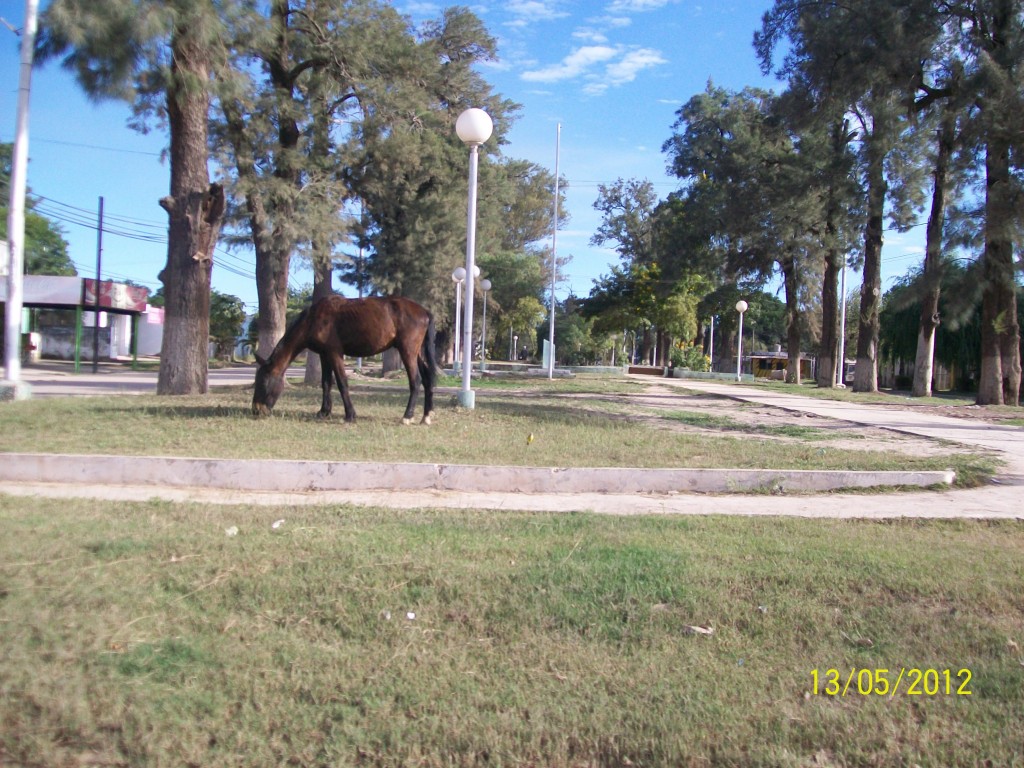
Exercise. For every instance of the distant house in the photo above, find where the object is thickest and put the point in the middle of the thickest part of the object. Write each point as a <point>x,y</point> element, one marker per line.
<point>62,311</point>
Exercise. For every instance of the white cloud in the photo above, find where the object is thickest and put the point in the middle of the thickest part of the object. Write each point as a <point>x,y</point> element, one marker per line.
<point>575,64</point>
<point>590,35</point>
<point>633,63</point>
<point>527,11</point>
<point>636,6</point>
<point>621,65</point>
<point>416,8</point>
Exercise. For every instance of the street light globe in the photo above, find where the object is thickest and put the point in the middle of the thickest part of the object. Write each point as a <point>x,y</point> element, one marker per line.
<point>474,126</point>
<point>485,285</point>
<point>458,274</point>
<point>476,271</point>
<point>741,306</point>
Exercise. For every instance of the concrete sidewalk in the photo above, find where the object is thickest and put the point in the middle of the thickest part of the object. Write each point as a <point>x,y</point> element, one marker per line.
<point>1006,440</point>
<point>52,378</point>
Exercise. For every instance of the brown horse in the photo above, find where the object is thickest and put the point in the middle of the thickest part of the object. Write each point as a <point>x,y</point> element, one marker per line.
<point>334,327</point>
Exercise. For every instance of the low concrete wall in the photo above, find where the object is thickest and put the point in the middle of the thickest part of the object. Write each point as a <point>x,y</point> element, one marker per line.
<point>302,476</point>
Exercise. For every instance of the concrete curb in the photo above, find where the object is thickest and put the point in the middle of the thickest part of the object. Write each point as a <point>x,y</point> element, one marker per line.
<point>284,476</point>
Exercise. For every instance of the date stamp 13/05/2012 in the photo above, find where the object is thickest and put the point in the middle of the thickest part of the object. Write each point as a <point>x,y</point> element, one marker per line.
<point>909,681</point>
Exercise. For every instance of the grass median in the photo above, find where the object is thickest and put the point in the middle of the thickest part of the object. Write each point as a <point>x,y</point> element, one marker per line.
<point>582,422</point>
<point>158,634</point>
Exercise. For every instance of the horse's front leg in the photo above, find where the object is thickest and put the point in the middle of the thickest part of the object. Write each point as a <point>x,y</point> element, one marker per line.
<point>326,384</point>
<point>338,366</point>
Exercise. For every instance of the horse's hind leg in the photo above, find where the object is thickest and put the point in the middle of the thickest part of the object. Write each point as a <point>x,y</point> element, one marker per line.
<point>410,359</point>
<point>326,384</point>
<point>426,375</point>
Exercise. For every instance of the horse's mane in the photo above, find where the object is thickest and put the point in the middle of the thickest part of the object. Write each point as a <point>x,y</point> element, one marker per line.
<point>285,342</point>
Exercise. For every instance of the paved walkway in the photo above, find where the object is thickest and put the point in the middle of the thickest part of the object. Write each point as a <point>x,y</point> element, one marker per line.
<point>1007,440</point>
<point>58,379</point>
<point>1003,499</point>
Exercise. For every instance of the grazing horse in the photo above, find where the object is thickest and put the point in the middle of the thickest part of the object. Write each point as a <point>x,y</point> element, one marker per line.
<point>334,327</point>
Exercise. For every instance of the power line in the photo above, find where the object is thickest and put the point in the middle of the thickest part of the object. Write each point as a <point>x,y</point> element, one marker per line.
<point>94,146</point>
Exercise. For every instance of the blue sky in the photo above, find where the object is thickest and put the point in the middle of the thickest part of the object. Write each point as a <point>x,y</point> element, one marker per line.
<point>612,74</point>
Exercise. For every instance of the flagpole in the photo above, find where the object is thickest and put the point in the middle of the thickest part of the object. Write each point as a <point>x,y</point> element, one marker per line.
<point>554,260</point>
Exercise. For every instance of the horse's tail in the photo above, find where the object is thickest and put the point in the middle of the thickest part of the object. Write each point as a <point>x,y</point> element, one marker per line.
<point>428,355</point>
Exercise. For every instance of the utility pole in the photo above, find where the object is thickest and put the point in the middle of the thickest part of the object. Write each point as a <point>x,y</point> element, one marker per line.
<point>96,297</point>
<point>554,260</point>
<point>16,213</point>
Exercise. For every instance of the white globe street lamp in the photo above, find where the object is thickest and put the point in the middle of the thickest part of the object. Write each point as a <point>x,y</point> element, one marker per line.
<point>474,127</point>
<point>741,307</point>
<point>515,347</point>
<point>485,286</point>
<point>458,277</point>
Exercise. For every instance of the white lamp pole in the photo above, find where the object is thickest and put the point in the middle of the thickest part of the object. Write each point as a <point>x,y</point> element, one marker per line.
<point>485,286</point>
<point>515,347</point>
<point>16,211</point>
<point>841,368</point>
<point>458,276</point>
<point>711,345</point>
<point>741,307</point>
<point>554,260</point>
<point>474,127</point>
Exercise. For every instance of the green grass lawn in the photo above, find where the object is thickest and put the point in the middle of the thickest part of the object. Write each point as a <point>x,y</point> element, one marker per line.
<point>581,422</point>
<point>143,635</point>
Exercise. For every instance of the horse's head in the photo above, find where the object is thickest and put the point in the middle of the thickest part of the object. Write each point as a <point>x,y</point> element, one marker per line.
<point>267,389</point>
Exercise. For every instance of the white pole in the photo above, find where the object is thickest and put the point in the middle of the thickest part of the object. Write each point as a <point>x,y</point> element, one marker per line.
<point>554,261</point>
<point>485,286</point>
<point>467,398</point>
<point>841,368</point>
<point>711,344</point>
<point>741,307</point>
<point>458,323</point>
<point>739,351</point>
<point>16,211</point>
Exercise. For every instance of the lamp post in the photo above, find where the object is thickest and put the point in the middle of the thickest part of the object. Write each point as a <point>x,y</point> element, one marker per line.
<point>474,127</point>
<point>515,347</point>
<point>711,345</point>
<point>13,384</point>
<point>741,307</point>
<point>485,286</point>
<point>458,277</point>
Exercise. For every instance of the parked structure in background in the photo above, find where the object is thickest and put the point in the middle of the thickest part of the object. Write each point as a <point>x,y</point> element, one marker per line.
<point>58,309</point>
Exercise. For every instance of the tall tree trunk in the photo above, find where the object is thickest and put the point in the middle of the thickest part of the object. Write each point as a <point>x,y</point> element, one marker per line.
<point>828,357</point>
<point>195,208</point>
<point>646,349</point>
<point>322,273</point>
<point>829,364</point>
<point>866,376</point>
<point>999,382</point>
<point>274,247</point>
<point>789,278</point>
<point>924,362</point>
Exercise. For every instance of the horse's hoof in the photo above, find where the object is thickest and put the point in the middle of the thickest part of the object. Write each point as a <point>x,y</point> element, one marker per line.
<point>406,422</point>
<point>428,418</point>
<point>321,416</point>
